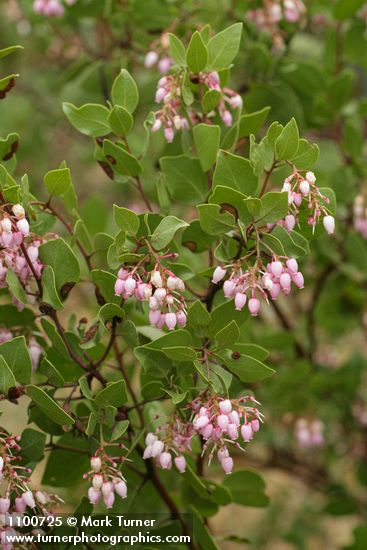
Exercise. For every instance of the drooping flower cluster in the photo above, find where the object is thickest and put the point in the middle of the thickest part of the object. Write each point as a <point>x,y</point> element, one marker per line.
<point>360,215</point>
<point>106,479</point>
<point>162,289</point>
<point>16,496</point>
<point>222,422</point>
<point>173,117</point>
<point>272,13</point>
<point>51,8</point>
<point>158,55</point>
<point>252,284</point>
<point>301,188</point>
<point>170,440</point>
<point>309,433</point>
<point>18,254</point>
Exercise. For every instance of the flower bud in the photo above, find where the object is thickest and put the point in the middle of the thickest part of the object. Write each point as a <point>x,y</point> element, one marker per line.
<point>232,431</point>
<point>23,226</point>
<point>164,64</point>
<point>95,463</point>
<point>227,465</point>
<point>227,118</point>
<point>170,320</point>
<point>169,134</point>
<point>160,95</point>
<point>123,274</point>
<point>297,198</point>
<point>160,294</point>
<point>1,458</point>
<point>157,448</point>
<point>225,406</point>
<point>41,497</point>
<point>286,187</point>
<point>254,306</point>
<point>94,495</point>
<point>223,421</point>
<point>304,187</point>
<point>151,59</point>
<point>206,432</point>
<point>218,274</point>
<point>172,282</point>
<point>246,432</point>
<point>285,280</point>
<point>228,288</point>
<point>154,316</point>
<point>156,279</point>
<point>20,505</point>
<point>298,279</point>
<point>240,301</point>
<point>236,102</point>
<point>292,265</point>
<point>157,125</point>
<point>310,177</point>
<point>18,211</point>
<point>276,268</point>
<point>4,505</point>
<point>329,224</point>
<point>109,499</point>
<point>165,461</point>
<point>200,422</point>
<point>289,222</point>
<point>121,488</point>
<point>181,318</point>
<point>150,438</point>
<point>234,417</point>
<point>97,481</point>
<point>255,425</point>
<point>107,488</point>
<point>29,499</point>
<point>180,463</point>
<point>148,452</point>
<point>6,225</point>
<point>130,285</point>
<point>222,453</point>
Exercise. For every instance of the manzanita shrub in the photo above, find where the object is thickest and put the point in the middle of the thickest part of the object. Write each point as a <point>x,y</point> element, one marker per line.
<point>222,240</point>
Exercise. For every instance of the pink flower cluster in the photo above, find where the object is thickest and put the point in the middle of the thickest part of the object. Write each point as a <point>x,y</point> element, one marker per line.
<point>157,55</point>
<point>360,216</point>
<point>309,433</point>
<point>163,290</point>
<point>301,188</point>
<point>170,440</point>
<point>169,93</point>
<point>269,17</point>
<point>16,253</point>
<point>221,422</point>
<point>17,496</point>
<point>51,8</point>
<point>106,479</point>
<point>250,285</point>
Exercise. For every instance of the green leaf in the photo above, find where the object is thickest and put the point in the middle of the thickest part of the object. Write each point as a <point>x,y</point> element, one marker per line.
<point>119,429</point>
<point>176,49</point>
<point>84,388</point>
<point>223,47</point>
<point>176,397</point>
<point>92,423</point>
<point>214,220</point>
<point>55,337</point>
<point>105,283</point>
<point>120,120</point>
<point>185,179</point>
<point>198,315</point>
<point>16,355</point>
<point>235,172</point>
<point>286,145</point>
<point>344,9</point>
<point>206,139</point>
<point>121,161</point>
<point>165,231</point>
<point>247,488</point>
<point>32,444</point>
<point>65,468</point>
<point>90,119</point>
<point>124,91</point>
<point>15,286</point>
<point>58,181</point>
<point>274,206</point>
<point>7,379</point>
<point>196,55</point>
<point>246,368</point>
<point>50,294</point>
<point>210,100</point>
<point>109,312</point>
<point>201,533</point>
<point>49,406</point>
<point>126,219</point>
<point>53,376</point>
<point>223,314</point>
<point>9,146</point>
<point>251,123</point>
<point>113,394</point>
<point>4,52</point>
<point>63,261</point>
<point>180,353</point>
<point>307,155</point>
<point>228,335</point>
